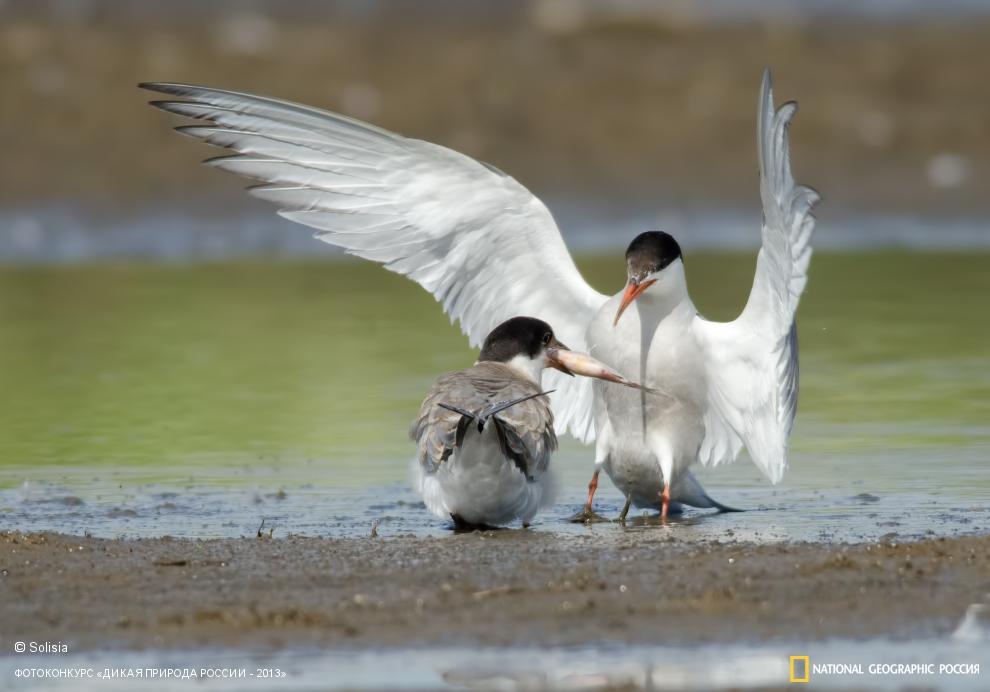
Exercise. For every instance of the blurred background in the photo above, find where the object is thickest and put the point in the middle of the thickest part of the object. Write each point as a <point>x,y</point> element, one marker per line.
<point>620,114</point>
<point>145,328</point>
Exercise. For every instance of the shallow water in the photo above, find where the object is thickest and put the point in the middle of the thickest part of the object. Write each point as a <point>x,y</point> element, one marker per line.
<point>60,234</point>
<point>150,400</point>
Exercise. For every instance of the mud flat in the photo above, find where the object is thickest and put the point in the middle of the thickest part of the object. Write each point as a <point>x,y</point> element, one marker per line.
<point>493,588</point>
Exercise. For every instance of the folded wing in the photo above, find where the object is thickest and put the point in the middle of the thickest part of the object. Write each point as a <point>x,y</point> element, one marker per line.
<point>752,362</point>
<point>481,243</point>
<point>526,428</point>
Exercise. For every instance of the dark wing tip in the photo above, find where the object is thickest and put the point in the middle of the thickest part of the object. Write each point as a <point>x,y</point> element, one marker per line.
<point>163,87</point>
<point>188,130</point>
<point>216,160</point>
<point>169,106</point>
<point>154,86</point>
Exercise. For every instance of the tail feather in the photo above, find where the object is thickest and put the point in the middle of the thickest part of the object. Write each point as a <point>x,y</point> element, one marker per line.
<point>456,409</point>
<point>688,491</point>
<point>487,413</point>
<point>507,439</point>
<point>498,406</point>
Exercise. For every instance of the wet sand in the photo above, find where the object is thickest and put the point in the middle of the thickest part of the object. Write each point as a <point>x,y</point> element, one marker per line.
<point>486,588</point>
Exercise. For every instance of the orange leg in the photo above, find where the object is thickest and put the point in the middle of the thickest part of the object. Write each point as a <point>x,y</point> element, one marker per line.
<point>665,497</point>
<point>592,487</point>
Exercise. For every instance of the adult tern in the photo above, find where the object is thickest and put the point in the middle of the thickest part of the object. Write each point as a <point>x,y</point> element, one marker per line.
<point>485,434</point>
<point>488,249</point>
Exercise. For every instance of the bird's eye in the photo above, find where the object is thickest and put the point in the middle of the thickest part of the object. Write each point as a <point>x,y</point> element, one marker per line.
<point>546,338</point>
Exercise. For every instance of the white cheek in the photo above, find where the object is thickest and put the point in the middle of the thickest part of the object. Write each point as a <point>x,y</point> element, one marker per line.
<point>530,368</point>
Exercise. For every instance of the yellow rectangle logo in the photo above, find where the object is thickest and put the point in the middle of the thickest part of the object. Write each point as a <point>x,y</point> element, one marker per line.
<point>800,669</point>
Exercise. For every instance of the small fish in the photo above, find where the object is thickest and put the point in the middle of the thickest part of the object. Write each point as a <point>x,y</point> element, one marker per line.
<point>583,364</point>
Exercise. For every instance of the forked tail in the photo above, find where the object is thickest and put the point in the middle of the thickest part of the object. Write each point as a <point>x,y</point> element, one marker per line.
<point>486,414</point>
<point>688,491</point>
<point>508,440</point>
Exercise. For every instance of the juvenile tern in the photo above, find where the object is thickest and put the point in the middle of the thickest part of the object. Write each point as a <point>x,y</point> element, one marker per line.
<point>487,249</point>
<point>485,435</point>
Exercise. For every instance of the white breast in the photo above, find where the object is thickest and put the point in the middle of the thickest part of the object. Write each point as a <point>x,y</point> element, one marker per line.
<point>653,344</point>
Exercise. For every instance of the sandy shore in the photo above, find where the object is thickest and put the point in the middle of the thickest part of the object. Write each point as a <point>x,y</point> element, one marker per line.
<point>494,588</point>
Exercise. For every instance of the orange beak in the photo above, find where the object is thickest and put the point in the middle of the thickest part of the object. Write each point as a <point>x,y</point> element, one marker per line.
<point>633,292</point>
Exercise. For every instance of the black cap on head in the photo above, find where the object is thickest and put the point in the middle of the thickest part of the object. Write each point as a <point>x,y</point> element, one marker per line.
<point>517,336</point>
<point>650,252</point>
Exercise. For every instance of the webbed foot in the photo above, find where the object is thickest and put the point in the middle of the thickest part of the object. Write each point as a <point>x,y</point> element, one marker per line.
<point>587,516</point>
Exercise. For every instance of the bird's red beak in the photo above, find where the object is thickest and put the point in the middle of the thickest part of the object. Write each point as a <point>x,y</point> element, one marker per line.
<point>633,291</point>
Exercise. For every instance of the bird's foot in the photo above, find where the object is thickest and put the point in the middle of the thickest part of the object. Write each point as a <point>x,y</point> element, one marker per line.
<point>587,516</point>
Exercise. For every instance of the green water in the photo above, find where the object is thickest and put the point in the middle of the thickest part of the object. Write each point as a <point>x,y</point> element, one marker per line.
<point>172,368</point>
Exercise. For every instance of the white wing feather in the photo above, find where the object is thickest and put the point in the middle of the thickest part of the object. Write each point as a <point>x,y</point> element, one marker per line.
<point>481,243</point>
<point>752,362</point>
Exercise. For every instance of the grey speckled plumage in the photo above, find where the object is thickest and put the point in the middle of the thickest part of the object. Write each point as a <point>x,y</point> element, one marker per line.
<point>531,421</point>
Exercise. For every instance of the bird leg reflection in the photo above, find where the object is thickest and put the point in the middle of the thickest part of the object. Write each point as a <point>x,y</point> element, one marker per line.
<point>625,510</point>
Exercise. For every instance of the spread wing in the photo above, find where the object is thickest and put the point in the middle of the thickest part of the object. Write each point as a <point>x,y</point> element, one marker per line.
<point>752,362</point>
<point>526,427</point>
<point>481,243</point>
